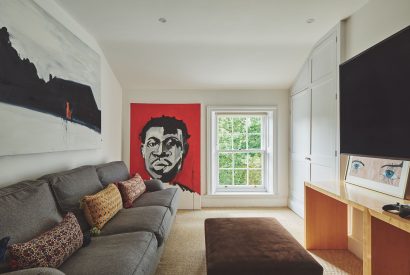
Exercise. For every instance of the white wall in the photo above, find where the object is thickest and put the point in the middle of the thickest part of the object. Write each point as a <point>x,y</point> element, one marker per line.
<point>224,97</point>
<point>16,168</point>
<point>375,21</point>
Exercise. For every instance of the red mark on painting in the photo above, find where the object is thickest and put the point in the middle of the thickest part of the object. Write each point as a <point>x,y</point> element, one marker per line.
<point>68,111</point>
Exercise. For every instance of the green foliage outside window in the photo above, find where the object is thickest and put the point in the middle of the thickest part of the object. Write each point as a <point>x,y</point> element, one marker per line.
<point>255,177</point>
<point>225,177</point>
<point>225,160</point>
<point>240,177</point>
<point>237,133</point>
<point>255,160</point>
<point>241,160</point>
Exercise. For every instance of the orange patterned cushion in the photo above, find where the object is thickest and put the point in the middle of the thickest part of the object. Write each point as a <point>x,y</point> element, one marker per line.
<point>131,189</point>
<point>101,207</point>
<point>51,248</point>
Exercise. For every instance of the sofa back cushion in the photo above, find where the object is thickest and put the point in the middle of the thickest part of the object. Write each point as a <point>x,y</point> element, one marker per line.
<point>69,187</point>
<point>112,172</point>
<point>27,209</point>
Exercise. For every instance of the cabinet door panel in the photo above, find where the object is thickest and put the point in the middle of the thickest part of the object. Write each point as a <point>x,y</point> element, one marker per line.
<point>300,171</point>
<point>324,59</point>
<point>300,148</point>
<point>303,79</point>
<point>301,104</point>
<point>324,125</point>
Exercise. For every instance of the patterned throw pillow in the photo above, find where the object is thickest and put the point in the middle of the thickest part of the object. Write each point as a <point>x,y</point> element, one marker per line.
<point>102,206</point>
<point>131,189</point>
<point>51,248</point>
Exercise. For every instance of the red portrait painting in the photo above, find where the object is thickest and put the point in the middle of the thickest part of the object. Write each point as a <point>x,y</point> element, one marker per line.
<point>165,143</point>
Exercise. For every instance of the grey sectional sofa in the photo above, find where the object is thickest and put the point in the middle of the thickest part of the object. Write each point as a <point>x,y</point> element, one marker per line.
<point>130,243</point>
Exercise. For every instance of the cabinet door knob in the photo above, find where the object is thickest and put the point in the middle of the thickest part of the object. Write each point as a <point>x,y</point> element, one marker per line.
<point>307,158</point>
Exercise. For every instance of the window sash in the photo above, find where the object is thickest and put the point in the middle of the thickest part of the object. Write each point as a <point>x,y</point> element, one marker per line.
<point>268,149</point>
<point>244,114</point>
<point>247,169</point>
<point>263,151</point>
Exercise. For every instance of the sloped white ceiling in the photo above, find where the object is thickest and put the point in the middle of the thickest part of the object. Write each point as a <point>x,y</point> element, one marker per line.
<point>207,44</point>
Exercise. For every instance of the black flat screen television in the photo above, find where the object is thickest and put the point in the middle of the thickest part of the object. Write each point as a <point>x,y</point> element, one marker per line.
<point>375,100</point>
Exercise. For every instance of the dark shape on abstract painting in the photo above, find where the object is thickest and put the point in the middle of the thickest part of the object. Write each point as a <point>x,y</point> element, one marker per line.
<point>21,86</point>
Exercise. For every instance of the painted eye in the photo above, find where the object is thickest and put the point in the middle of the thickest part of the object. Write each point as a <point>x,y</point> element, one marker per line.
<point>390,174</point>
<point>152,143</point>
<point>356,165</point>
<point>172,142</point>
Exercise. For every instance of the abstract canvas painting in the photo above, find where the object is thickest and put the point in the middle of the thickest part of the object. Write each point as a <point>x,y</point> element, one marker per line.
<point>49,84</point>
<point>383,175</point>
<point>165,143</point>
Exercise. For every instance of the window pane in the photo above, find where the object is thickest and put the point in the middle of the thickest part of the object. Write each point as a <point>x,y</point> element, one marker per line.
<point>239,141</point>
<point>225,177</point>
<point>225,160</point>
<point>224,125</point>
<point>239,125</point>
<point>225,142</point>
<point>240,177</point>
<point>255,177</point>
<point>255,160</point>
<point>255,125</point>
<point>240,160</point>
<point>254,141</point>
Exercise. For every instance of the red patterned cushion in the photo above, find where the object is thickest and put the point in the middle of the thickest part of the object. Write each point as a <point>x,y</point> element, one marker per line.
<point>49,249</point>
<point>131,189</point>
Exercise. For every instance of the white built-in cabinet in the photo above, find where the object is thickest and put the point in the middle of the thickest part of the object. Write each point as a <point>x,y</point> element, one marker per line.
<point>314,146</point>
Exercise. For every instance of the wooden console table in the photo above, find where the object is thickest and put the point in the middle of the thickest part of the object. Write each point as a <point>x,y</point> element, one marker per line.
<point>386,236</point>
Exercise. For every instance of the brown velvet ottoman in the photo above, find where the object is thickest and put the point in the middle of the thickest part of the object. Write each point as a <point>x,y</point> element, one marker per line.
<point>254,246</point>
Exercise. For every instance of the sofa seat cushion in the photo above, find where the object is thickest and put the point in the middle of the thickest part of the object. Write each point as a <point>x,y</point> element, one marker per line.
<point>36,271</point>
<point>112,172</point>
<point>69,187</point>
<point>125,254</point>
<point>166,197</point>
<point>155,219</point>
<point>27,209</point>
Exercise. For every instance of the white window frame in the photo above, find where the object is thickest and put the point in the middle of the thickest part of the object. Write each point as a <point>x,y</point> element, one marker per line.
<point>269,185</point>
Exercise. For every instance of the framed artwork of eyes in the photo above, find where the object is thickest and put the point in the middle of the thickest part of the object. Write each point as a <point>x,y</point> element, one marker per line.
<point>383,175</point>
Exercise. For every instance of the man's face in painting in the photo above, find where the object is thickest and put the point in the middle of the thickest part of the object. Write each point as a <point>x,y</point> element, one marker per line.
<point>163,152</point>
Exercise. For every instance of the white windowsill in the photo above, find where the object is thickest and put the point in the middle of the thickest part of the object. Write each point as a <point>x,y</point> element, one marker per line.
<point>241,194</point>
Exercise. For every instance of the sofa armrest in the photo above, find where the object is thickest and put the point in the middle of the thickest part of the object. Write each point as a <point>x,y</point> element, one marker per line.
<point>154,185</point>
<point>36,271</point>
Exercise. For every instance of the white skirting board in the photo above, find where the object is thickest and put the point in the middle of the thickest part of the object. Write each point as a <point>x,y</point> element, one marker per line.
<point>243,201</point>
<point>296,206</point>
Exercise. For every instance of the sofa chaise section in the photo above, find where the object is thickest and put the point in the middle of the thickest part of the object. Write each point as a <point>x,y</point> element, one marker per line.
<point>155,219</point>
<point>166,197</point>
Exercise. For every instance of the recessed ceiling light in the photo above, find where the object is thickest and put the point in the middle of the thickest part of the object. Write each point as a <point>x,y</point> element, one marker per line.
<point>310,20</point>
<point>162,20</point>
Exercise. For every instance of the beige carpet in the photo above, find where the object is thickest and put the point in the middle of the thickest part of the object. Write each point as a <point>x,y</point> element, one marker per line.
<point>184,252</point>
